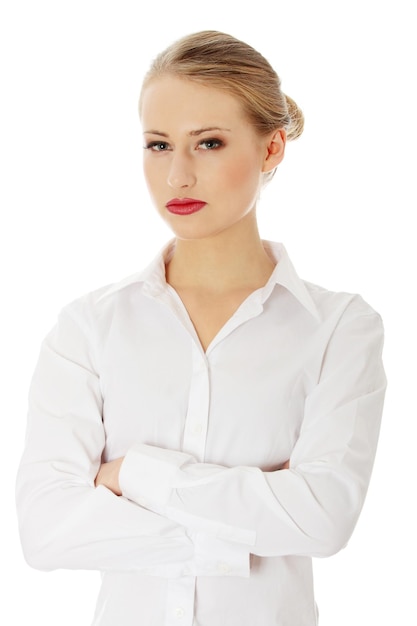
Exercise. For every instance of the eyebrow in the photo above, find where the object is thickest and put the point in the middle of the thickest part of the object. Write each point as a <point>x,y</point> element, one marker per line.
<point>192,133</point>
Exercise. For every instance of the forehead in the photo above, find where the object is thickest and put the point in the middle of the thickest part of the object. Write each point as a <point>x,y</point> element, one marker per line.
<point>188,104</point>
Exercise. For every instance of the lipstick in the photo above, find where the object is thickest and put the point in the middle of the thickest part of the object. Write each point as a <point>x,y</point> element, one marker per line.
<point>184,206</point>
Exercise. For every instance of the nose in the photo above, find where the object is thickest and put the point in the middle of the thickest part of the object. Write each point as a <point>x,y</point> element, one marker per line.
<point>181,173</point>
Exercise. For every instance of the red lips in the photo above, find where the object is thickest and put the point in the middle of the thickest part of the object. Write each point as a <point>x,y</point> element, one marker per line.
<point>184,206</point>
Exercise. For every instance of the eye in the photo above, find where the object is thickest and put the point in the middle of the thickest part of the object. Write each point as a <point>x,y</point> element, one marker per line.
<point>157,146</point>
<point>210,144</point>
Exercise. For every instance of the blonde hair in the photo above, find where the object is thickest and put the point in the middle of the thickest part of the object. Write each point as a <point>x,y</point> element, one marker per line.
<point>219,60</point>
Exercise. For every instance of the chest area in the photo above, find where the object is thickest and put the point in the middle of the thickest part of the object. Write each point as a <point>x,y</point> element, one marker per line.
<point>240,404</point>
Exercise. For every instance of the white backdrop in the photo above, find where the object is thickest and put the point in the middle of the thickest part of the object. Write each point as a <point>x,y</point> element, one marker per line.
<point>75,215</point>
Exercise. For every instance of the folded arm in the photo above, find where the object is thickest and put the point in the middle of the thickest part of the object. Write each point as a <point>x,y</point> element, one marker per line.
<point>312,508</point>
<point>65,520</point>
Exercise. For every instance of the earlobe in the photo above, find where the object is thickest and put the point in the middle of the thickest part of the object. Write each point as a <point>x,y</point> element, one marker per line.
<point>275,150</point>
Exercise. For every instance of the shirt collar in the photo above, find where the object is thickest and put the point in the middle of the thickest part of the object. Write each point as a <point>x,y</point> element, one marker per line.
<point>152,276</point>
<point>284,274</point>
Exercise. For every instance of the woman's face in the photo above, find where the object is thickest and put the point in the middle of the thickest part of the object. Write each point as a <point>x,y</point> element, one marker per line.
<point>203,160</point>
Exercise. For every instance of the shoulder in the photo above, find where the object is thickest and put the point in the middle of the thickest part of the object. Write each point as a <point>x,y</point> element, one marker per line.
<point>339,303</point>
<point>325,305</point>
<point>349,325</point>
<point>98,306</point>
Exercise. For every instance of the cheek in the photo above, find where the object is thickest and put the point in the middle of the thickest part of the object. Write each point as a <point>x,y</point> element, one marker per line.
<point>242,173</point>
<point>152,175</point>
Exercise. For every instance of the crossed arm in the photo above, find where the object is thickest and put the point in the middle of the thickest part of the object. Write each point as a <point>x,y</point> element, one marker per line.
<point>69,514</point>
<point>108,475</point>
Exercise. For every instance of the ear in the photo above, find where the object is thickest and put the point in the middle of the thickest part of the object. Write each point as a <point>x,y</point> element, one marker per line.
<point>275,150</point>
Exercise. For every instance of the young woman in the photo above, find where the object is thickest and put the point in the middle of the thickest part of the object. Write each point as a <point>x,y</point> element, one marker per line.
<point>201,430</point>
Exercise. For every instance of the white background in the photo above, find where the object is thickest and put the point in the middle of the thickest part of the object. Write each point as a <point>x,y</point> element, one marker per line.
<point>75,215</point>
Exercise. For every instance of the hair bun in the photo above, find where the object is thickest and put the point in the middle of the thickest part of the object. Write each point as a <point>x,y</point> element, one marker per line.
<point>296,125</point>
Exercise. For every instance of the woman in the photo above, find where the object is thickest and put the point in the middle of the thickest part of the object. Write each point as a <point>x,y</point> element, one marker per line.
<point>202,429</point>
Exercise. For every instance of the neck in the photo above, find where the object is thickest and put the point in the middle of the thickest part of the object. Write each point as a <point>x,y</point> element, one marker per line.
<point>232,259</point>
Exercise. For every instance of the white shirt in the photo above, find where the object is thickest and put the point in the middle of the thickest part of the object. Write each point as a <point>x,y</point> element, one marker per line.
<point>209,530</point>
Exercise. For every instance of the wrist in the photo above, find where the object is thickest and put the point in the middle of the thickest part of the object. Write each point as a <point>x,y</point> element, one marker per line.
<point>108,475</point>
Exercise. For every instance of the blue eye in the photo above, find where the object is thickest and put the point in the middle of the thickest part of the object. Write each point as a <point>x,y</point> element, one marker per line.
<point>157,146</point>
<point>210,144</point>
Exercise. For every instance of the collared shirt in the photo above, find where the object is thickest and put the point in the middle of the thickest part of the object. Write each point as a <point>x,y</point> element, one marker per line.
<point>209,531</point>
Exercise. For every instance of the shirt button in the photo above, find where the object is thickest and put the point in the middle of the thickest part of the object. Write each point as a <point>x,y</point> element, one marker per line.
<point>179,612</point>
<point>223,568</point>
<point>197,429</point>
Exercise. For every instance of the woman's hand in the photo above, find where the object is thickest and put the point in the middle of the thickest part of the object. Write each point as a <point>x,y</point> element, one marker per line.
<point>108,475</point>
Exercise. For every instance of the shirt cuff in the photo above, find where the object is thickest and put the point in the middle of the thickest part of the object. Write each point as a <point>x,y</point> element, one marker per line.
<point>150,476</point>
<point>215,557</point>
<point>147,475</point>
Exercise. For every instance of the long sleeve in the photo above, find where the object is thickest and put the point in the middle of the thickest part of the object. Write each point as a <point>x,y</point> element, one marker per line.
<point>310,509</point>
<point>64,520</point>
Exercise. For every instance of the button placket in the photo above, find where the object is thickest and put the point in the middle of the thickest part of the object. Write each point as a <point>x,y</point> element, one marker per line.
<point>180,602</point>
<point>196,421</point>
